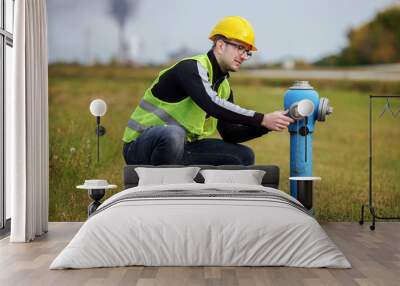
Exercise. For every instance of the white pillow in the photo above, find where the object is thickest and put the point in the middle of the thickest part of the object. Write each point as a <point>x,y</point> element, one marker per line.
<point>165,176</point>
<point>248,177</point>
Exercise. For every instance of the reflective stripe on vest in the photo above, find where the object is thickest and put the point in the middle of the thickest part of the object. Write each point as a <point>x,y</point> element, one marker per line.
<point>133,124</point>
<point>161,113</point>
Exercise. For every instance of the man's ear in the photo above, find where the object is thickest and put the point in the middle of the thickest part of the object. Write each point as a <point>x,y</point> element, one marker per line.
<point>219,45</point>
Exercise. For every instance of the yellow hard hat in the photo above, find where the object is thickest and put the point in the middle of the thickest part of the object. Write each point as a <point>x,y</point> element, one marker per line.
<point>235,27</point>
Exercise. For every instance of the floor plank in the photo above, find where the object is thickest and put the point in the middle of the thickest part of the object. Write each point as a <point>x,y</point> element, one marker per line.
<point>374,255</point>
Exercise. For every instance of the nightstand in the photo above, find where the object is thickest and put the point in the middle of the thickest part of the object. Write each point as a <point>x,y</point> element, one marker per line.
<point>96,190</point>
<point>305,190</point>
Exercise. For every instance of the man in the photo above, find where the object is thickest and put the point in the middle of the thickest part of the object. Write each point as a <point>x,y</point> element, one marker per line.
<point>190,100</point>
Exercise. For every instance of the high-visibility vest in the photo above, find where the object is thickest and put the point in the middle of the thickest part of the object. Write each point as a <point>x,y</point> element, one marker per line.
<point>186,113</point>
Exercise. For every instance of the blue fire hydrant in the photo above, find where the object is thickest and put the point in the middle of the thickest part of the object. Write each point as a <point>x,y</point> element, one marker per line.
<point>305,107</point>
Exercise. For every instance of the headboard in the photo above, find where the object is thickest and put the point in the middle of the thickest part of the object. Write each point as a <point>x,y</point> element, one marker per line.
<point>270,179</point>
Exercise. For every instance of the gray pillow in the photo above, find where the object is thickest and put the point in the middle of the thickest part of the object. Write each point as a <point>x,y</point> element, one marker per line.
<point>166,176</point>
<point>248,177</point>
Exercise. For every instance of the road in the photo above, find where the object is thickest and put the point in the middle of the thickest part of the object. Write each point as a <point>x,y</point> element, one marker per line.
<point>380,73</point>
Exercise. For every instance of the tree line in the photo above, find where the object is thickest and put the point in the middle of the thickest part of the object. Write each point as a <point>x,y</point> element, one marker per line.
<point>375,42</point>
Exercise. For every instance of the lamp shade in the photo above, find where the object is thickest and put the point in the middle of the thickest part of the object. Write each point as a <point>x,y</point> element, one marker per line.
<point>98,107</point>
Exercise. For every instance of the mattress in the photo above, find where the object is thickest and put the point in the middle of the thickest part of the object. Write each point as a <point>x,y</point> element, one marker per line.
<point>201,225</point>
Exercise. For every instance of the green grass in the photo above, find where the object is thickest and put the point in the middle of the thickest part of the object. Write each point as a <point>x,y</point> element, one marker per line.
<point>340,147</point>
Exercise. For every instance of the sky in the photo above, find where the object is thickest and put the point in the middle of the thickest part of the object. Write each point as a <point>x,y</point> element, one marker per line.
<point>83,30</point>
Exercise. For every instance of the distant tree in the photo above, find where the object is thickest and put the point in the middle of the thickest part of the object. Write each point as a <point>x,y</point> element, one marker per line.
<point>120,11</point>
<point>376,42</point>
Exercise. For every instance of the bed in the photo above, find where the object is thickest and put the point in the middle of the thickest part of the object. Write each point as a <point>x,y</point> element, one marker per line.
<point>201,223</point>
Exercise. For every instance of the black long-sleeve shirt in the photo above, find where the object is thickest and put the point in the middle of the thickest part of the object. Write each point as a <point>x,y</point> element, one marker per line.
<point>189,78</point>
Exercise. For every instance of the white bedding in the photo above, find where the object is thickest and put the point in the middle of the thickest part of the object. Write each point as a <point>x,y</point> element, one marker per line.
<point>177,231</point>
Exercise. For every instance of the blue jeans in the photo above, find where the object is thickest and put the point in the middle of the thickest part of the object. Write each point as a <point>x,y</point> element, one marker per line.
<point>167,145</point>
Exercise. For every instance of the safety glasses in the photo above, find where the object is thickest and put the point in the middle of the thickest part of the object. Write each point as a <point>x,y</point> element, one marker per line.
<point>241,49</point>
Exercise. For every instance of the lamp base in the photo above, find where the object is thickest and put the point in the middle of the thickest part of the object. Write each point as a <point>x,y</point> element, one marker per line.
<point>100,130</point>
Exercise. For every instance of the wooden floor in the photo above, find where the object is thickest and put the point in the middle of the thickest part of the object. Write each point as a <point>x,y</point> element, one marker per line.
<point>374,255</point>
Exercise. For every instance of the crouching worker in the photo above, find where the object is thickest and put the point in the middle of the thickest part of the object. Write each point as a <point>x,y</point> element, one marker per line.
<point>190,100</point>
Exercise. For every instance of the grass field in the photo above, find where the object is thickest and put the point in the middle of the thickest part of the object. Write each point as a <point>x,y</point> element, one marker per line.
<point>340,148</point>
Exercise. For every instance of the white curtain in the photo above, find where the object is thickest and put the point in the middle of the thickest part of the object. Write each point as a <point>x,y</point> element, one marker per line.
<point>27,124</point>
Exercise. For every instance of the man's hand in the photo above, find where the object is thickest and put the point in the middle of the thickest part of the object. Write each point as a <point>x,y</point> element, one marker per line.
<point>276,121</point>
